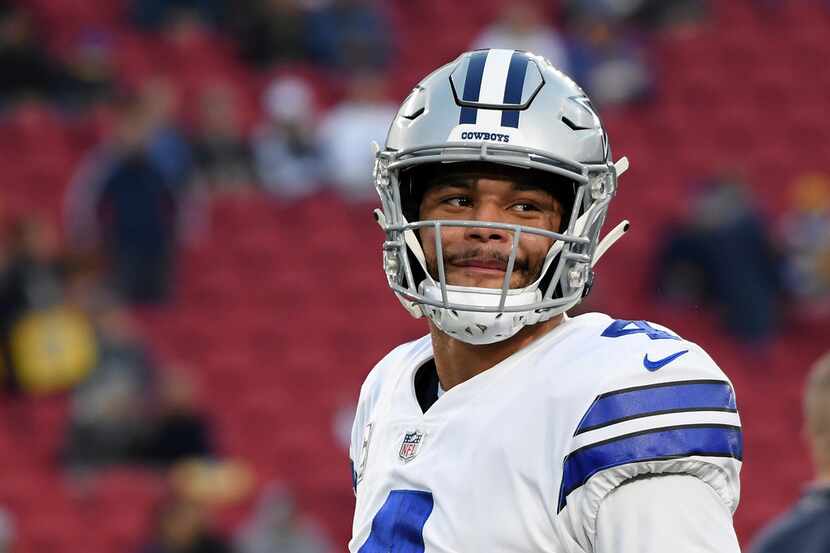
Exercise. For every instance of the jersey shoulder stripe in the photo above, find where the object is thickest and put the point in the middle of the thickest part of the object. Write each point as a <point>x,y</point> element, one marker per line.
<point>708,440</point>
<point>657,399</point>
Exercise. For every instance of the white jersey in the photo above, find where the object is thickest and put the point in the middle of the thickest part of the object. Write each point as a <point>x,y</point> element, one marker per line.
<point>519,457</point>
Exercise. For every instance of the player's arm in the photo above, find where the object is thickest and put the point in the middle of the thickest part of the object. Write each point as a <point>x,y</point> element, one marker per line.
<point>656,455</point>
<point>675,512</point>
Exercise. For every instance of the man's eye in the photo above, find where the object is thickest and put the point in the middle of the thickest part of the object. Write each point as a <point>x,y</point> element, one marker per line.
<point>459,201</point>
<point>524,207</point>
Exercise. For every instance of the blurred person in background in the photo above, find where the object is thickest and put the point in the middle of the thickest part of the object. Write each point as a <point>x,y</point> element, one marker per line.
<point>804,528</point>
<point>521,26</point>
<point>723,254</point>
<point>91,71</point>
<point>609,62</point>
<point>184,526</point>
<point>121,205</point>
<point>32,280</point>
<point>805,230</point>
<point>650,15</point>
<point>111,409</point>
<point>167,144</point>
<point>128,410</point>
<point>179,429</point>
<point>288,157</point>
<point>224,160</point>
<point>271,32</point>
<point>7,533</point>
<point>276,527</point>
<point>347,132</point>
<point>27,68</point>
<point>349,35</point>
<point>152,15</point>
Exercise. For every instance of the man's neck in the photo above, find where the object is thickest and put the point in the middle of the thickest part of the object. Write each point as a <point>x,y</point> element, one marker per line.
<point>458,361</point>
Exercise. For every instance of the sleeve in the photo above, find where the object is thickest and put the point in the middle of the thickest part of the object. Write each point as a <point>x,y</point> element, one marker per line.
<point>677,513</point>
<point>682,421</point>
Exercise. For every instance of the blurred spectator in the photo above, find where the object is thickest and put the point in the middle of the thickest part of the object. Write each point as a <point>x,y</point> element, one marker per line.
<point>223,158</point>
<point>25,64</point>
<point>184,526</point>
<point>154,14</point>
<point>723,255</point>
<point>609,62</point>
<point>347,132</point>
<point>271,32</point>
<point>31,293</point>
<point>167,145</point>
<point>349,35</point>
<point>521,26</point>
<point>806,236</point>
<point>91,71</point>
<point>111,409</point>
<point>211,482</point>
<point>649,14</point>
<point>179,430</point>
<point>804,529</point>
<point>276,528</point>
<point>676,15</point>
<point>7,533</point>
<point>288,158</point>
<point>127,410</point>
<point>121,204</point>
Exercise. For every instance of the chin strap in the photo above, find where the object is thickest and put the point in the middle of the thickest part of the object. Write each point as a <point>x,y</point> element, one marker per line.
<point>615,234</point>
<point>621,166</point>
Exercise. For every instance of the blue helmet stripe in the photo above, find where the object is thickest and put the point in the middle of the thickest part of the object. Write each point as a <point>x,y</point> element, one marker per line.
<point>669,397</point>
<point>709,440</point>
<point>472,86</point>
<point>513,88</point>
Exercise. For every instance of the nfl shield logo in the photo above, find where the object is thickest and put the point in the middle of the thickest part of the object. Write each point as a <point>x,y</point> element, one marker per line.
<point>411,444</point>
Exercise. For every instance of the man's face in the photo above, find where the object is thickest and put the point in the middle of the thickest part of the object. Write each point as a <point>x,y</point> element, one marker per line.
<point>477,256</point>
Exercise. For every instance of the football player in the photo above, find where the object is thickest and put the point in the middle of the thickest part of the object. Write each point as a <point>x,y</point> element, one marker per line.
<point>512,427</point>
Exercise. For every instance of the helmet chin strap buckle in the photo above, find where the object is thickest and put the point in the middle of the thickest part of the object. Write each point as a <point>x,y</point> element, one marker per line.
<point>589,283</point>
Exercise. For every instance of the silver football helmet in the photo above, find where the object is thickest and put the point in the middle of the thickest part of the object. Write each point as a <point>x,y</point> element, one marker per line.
<point>505,107</point>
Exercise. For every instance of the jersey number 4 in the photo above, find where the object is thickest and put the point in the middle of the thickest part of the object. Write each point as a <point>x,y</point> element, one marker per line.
<point>399,525</point>
<point>622,327</point>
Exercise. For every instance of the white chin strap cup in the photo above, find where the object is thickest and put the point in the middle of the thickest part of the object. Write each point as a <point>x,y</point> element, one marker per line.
<point>474,327</point>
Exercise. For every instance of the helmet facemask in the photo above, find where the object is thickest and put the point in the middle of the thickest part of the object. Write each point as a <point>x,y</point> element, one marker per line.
<point>486,315</point>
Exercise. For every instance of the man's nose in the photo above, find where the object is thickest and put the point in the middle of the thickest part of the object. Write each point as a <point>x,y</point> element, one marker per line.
<point>487,213</point>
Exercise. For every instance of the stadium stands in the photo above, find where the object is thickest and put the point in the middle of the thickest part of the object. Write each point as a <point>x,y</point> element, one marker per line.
<point>283,308</point>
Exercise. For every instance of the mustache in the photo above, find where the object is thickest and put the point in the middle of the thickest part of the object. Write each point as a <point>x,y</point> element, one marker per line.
<point>519,265</point>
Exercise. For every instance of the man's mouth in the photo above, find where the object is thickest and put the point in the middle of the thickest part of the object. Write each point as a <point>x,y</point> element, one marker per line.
<point>482,266</point>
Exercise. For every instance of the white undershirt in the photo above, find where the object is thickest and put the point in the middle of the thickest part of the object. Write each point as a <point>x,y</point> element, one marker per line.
<point>676,512</point>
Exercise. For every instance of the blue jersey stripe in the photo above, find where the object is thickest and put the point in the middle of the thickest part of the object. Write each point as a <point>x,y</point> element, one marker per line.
<point>399,524</point>
<point>513,88</point>
<point>671,397</point>
<point>662,443</point>
<point>472,86</point>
